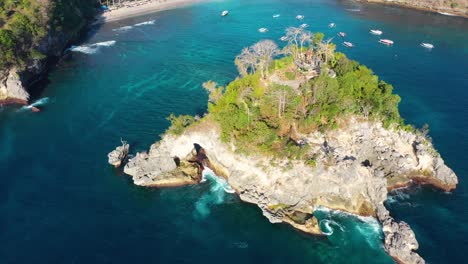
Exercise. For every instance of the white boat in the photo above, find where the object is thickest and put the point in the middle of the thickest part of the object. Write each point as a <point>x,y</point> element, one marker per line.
<point>386,42</point>
<point>225,13</point>
<point>299,17</point>
<point>342,34</point>
<point>376,32</point>
<point>348,44</point>
<point>276,15</point>
<point>262,30</point>
<point>303,26</point>
<point>427,45</point>
<point>284,38</point>
<point>331,25</point>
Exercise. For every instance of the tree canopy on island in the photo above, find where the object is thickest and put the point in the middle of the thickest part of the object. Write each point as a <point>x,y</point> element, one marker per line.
<point>263,111</point>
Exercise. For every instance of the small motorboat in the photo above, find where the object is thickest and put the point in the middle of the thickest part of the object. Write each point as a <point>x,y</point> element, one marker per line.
<point>386,42</point>
<point>303,25</point>
<point>225,13</point>
<point>299,17</point>
<point>262,30</point>
<point>348,44</point>
<point>331,25</point>
<point>427,45</point>
<point>342,34</point>
<point>284,38</point>
<point>276,15</point>
<point>376,32</point>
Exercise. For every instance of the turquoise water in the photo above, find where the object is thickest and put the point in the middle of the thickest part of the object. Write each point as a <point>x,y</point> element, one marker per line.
<point>61,203</point>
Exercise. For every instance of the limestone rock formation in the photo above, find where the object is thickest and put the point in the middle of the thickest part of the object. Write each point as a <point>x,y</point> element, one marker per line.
<point>11,87</point>
<point>117,156</point>
<point>356,166</point>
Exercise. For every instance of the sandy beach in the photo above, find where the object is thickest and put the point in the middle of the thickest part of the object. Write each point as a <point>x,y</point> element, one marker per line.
<point>142,9</point>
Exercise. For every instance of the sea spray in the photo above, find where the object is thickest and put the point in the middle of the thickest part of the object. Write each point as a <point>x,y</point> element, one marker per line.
<point>216,194</point>
<point>341,226</point>
<point>92,48</point>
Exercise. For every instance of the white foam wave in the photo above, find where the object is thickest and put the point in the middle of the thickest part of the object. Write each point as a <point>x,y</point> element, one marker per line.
<point>37,103</point>
<point>216,195</point>
<point>328,226</point>
<point>121,29</point>
<point>92,48</point>
<point>371,221</point>
<point>151,22</point>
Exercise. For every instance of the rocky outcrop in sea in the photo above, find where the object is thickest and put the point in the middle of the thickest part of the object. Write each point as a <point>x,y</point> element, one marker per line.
<point>355,167</point>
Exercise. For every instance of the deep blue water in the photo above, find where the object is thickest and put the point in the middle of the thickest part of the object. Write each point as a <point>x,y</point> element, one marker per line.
<point>61,203</point>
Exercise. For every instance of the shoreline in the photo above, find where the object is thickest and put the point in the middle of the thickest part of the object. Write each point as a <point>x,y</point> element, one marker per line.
<point>435,10</point>
<point>143,9</point>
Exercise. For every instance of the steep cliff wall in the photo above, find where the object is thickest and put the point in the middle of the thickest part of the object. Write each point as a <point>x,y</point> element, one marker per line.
<point>31,32</point>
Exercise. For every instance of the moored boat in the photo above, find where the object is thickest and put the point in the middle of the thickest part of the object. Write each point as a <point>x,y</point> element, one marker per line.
<point>376,32</point>
<point>299,17</point>
<point>386,42</point>
<point>276,15</point>
<point>304,25</point>
<point>342,34</point>
<point>225,13</point>
<point>331,25</point>
<point>284,38</point>
<point>348,44</point>
<point>262,30</point>
<point>427,45</point>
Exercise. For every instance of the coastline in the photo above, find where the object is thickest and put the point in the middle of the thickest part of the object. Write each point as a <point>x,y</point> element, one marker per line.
<point>147,8</point>
<point>411,5</point>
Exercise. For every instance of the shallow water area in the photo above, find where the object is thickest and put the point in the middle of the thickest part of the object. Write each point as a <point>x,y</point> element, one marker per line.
<point>60,201</point>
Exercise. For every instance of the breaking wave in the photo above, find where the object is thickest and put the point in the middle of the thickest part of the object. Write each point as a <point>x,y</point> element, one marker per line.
<point>92,48</point>
<point>216,195</point>
<point>327,226</point>
<point>121,29</point>
<point>37,103</point>
<point>151,22</point>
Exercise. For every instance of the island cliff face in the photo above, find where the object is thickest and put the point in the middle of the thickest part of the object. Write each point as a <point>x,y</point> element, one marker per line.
<point>453,7</point>
<point>355,168</point>
<point>311,129</point>
<point>30,34</point>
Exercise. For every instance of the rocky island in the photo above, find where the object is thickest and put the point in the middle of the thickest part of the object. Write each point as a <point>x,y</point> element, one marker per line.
<point>301,128</point>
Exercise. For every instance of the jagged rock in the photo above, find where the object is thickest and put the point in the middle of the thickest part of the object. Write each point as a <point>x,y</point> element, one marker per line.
<point>356,166</point>
<point>11,86</point>
<point>117,156</point>
<point>400,241</point>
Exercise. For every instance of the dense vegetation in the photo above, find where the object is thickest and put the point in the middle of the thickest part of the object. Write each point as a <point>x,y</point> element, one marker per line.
<point>262,111</point>
<point>24,23</point>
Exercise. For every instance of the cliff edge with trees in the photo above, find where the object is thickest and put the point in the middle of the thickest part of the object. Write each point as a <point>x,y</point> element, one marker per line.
<point>31,31</point>
<point>301,128</point>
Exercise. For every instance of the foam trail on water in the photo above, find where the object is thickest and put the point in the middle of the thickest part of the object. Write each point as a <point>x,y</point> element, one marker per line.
<point>216,195</point>
<point>151,22</point>
<point>92,48</point>
<point>37,103</point>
